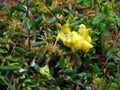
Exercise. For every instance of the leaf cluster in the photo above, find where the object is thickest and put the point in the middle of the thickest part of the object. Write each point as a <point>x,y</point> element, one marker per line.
<point>30,58</point>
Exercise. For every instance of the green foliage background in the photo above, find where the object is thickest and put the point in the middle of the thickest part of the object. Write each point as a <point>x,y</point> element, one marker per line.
<point>31,60</point>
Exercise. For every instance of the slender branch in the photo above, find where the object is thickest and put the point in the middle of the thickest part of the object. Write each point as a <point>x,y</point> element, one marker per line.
<point>108,57</point>
<point>27,1</point>
<point>14,47</point>
<point>29,43</point>
<point>37,55</point>
<point>15,44</point>
<point>27,14</point>
<point>51,11</point>
<point>105,63</point>
<point>48,59</point>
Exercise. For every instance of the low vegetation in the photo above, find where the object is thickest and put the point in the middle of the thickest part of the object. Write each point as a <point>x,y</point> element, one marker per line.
<point>60,45</point>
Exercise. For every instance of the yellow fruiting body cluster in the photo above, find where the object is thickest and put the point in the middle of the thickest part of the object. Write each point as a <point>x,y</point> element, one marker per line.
<point>75,40</point>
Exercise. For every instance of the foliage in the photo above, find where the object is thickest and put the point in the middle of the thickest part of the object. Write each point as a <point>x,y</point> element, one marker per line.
<point>31,59</point>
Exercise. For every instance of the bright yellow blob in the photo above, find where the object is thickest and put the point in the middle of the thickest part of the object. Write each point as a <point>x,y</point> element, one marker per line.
<point>75,40</point>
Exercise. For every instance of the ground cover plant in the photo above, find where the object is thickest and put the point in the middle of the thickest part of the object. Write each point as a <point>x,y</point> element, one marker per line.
<point>59,44</point>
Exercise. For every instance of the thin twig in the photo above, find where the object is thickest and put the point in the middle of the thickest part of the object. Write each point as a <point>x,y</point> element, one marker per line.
<point>48,59</point>
<point>37,55</point>
<point>51,11</point>
<point>29,45</point>
<point>14,46</point>
<point>27,14</point>
<point>105,63</point>
<point>27,2</point>
<point>16,41</point>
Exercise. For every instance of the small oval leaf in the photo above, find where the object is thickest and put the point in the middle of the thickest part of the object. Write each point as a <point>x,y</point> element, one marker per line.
<point>49,2</point>
<point>9,67</point>
<point>29,23</point>
<point>20,50</point>
<point>36,44</point>
<point>51,20</point>
<point>31,53</point>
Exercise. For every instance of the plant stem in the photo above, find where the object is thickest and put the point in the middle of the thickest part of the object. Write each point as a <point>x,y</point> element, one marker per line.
<point>29,43</point>
<point>51,11</point>
<point>27,14</point>
<point>37,55</point>
<point>105,63</point>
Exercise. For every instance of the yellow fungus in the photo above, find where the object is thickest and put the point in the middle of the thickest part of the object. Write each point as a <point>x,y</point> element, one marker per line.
<point>75,40</point>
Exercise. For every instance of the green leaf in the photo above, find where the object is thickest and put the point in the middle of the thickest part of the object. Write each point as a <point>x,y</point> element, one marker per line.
<point>106,86</point>
<point>31,53</point>
<point>95,67</point>
<point>21,70</point>
<point>68,71</point>
<point>20,50</point>
<point>110,19</point>
<point>65,11</point>
<point>49,2</point>
<point>87,2</point>
<point>106,8</point>
<point>1,5</point>
<point>116,30</point>
<point>33,9</point>
<point>41,57</point>
<point>118,43</point>
<point>116,58</point>
<point>117,19</point>
<point>2,51</point>
<point>61,62</point>
<point>6,6</point>
<point>19,34</point>
<point>118,53</point>
<point>70,6</point>
<point>19,8</point>
<point>9,58</point>
<point>97,19</point>
<point>117,6</point>
<point>79,1</point>
<point>97,80</point>
<point>80,15</point>
<point>109,54</point>
<point>38,20</point>
<point>8,9</point>
<point>33,64</point>
<point>9,67</point>
<point>27,81</point>
<point>74,23</point>
<point>114,85</point>
<point>51,20</point>
<point>45,71</point>
<point>29,23</point>
<point>57,10</point>
<point>36,44</point>
<point>82,75</point>
<point>110,65</point>
<point>6,81</point>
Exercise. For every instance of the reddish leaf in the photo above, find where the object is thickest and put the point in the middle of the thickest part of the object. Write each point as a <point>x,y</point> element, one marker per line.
<point>77,87</point>
<point>10,2</point>
<point>104,70</point>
